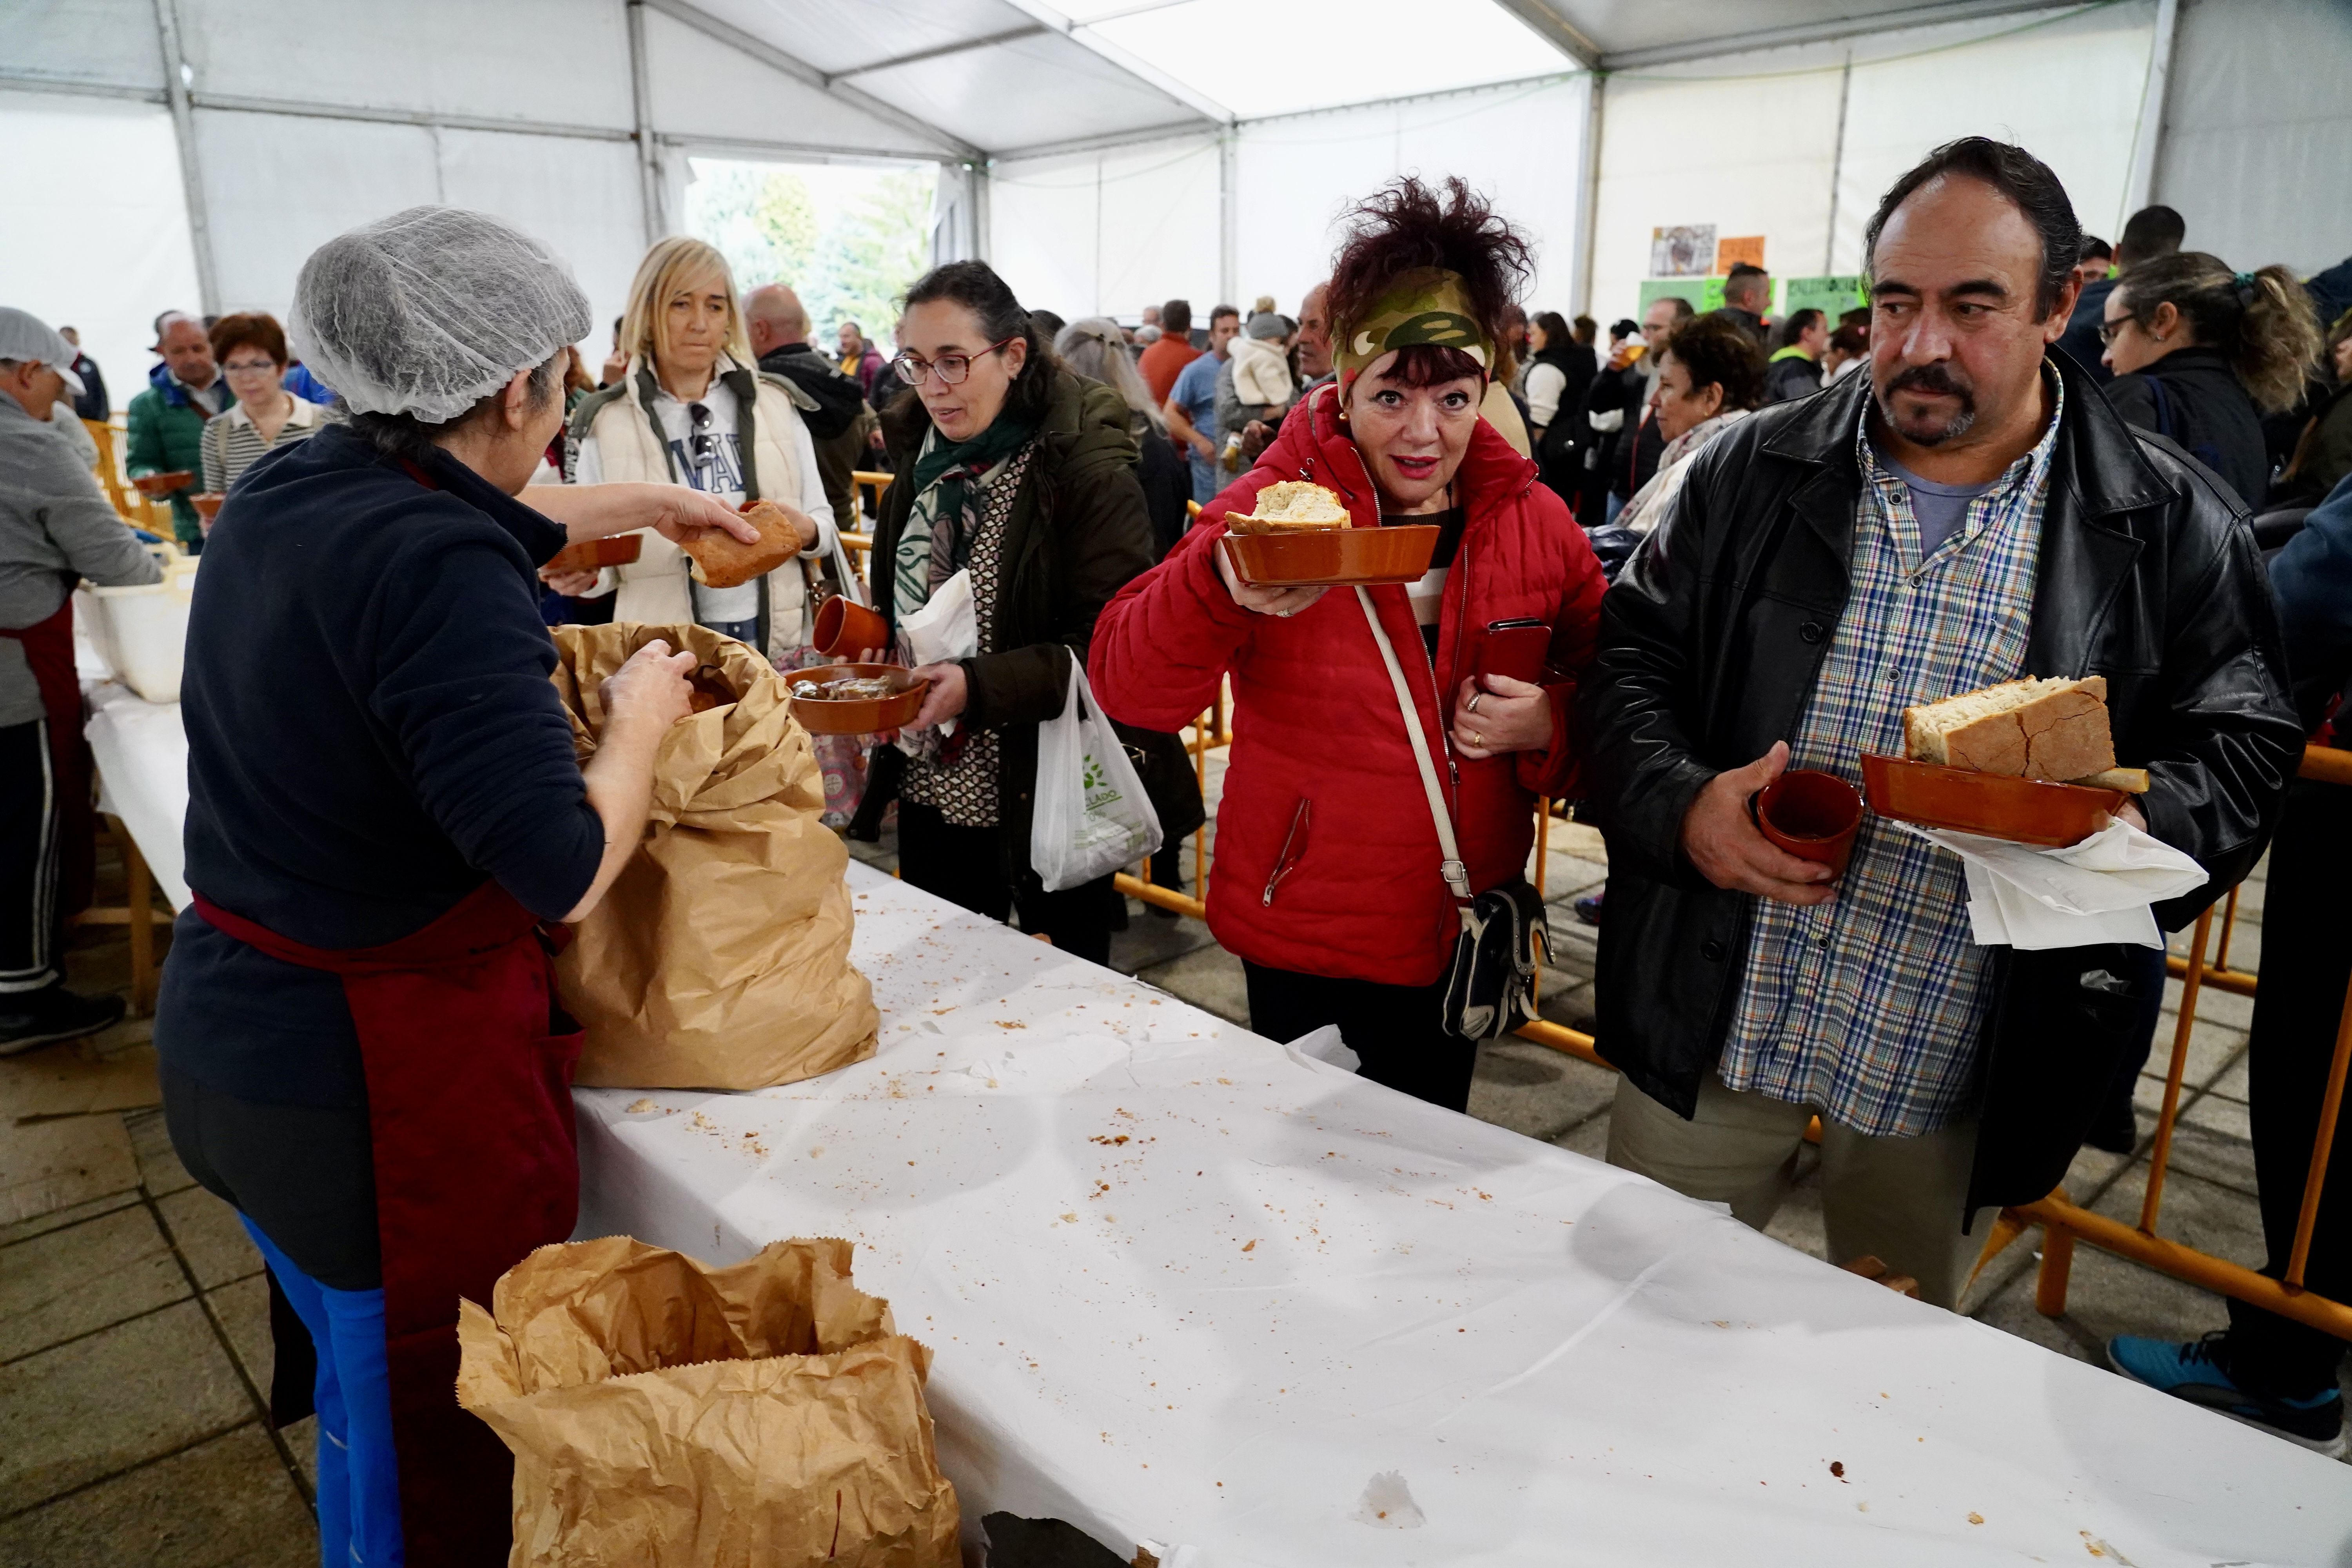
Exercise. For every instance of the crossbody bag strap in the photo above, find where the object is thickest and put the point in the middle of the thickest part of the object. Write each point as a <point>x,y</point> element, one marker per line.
<point>1457,875</point>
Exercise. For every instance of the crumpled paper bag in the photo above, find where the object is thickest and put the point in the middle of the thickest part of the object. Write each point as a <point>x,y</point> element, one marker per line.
<point>2099,891</point>
<point>664,1414</point>
<point>719,958</point>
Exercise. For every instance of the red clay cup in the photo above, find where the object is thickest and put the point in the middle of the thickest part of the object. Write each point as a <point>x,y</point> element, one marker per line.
<point>847,629</point>
<point>1812,815</point>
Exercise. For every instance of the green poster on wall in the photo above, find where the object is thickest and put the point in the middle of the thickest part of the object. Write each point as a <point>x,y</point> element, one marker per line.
<point>1834,295</point>
<point>1703,293</point>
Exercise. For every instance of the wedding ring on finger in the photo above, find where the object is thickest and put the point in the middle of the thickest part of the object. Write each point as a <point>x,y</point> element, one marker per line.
<point>1478,740</point>
<point>1474,700</point>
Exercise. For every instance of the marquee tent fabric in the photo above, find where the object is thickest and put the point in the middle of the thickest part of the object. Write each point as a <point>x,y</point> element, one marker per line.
<point>1106,153</point>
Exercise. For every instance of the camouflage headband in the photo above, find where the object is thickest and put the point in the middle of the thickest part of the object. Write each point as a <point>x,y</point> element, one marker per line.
<point>1428,305</point>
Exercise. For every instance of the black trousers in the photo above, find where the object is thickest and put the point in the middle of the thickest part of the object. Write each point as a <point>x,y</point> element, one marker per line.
<point>1398,1030</point>
<point>966,865</point>
<point>2306,963</point>
<point>29,932</point>
<point>305,1174</point>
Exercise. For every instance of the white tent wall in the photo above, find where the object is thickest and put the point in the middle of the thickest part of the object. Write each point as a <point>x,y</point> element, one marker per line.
<point>1114,229</point>
<point>1520,145</point>
<point>2257,150</point>
<point>101,255</point>
<point>1795,146</point>
<point>1107,232</point>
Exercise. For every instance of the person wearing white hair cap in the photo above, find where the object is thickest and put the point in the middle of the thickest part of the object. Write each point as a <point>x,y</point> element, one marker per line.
<point>54,527</point>
<point>360,1047</point>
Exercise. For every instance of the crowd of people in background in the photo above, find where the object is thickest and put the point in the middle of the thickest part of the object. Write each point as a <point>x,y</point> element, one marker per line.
<point>1066,474</point>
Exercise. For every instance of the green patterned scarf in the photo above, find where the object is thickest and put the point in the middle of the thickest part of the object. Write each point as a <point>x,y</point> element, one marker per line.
<point>937,541</point>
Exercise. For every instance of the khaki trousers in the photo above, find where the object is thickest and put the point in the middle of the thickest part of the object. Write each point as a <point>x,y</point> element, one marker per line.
<point>1897,1199</point>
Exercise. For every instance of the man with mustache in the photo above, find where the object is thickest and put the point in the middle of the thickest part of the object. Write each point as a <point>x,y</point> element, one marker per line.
<point>1970,512</point>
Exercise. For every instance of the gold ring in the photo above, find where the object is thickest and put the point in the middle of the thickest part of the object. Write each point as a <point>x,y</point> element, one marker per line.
<point>1478,740</point>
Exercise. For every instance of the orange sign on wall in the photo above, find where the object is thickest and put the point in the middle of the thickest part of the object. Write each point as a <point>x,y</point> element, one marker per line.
<point>1744,248</point>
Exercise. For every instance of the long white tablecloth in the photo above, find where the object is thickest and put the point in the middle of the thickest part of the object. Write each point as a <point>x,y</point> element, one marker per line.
<point>1187,1287</point>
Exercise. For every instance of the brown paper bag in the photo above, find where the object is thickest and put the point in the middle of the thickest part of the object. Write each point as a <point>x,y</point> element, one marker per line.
<point>720,957</point>
<point>667,1415</point>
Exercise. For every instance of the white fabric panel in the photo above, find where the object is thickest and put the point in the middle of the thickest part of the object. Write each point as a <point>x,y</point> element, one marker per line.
<point>2257,152</point>
<point>1361,50</point>
<point>702,89</point>
<point>580,197</point>
<point>563,62</point>
<point>1751,155</point>
<point>1519,146</point>
<point>1030,92</point>
<point>101,255</point>
<point>835,37</point>
<point>1105,233</point>
<point>278,185</point>
<point>112,42</point>
<point>2069,93</point>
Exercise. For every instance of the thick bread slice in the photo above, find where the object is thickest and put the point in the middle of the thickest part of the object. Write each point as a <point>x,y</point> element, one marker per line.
<point>2029,729</point>
<point>1290,504</point>
<point>723,561</point>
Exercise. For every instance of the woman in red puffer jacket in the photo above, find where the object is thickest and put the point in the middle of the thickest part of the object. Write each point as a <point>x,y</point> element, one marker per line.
<point>1326,882</point>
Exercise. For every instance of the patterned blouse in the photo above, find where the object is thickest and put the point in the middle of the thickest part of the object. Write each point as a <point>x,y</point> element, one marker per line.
<point>958,776</point>
<point>1869,1007</point>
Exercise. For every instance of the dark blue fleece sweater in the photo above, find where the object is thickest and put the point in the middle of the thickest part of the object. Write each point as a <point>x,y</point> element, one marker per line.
<point>371,735</point>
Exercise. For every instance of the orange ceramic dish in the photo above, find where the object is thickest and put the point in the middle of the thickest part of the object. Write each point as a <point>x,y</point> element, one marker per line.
<point>857,715</point>
<point>589,554</point>
<point>161,485</point>
<point>1332,557</point>
<point>209,505</point>
<point>2023,811</point>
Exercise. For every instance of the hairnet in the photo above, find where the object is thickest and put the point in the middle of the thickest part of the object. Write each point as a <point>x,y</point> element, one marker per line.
<point>429,310</point>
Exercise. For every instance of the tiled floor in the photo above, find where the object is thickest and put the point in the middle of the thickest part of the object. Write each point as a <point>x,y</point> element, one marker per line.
<point>134,1353</point>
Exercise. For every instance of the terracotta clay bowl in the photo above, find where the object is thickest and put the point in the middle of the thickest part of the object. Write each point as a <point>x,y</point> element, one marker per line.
<point>2024,811</point>
<point>1332,557</point>
<point>857,716</point>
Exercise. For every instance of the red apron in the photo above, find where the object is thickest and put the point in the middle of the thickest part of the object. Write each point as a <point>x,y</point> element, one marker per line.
<point>49,649</point>
<point>468,1067</point>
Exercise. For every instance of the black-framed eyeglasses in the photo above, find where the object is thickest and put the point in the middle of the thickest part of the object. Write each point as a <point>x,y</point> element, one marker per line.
<point>2107,330</point>
<point>951,368</point>
<point>697,414</point>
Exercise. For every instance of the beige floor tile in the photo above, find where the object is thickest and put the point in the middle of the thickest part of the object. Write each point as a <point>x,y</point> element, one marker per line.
<point>71,1282</point>
<point>229,1500</point>
<point>243,1309</point>
<point>117,1398</point>
<point>1535,1090</point>
<point>160,1171</point>
<point>210,1237</point>
<point>49,1165</point>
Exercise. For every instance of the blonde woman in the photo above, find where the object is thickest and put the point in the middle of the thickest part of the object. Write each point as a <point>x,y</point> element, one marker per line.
<point>693,409</point>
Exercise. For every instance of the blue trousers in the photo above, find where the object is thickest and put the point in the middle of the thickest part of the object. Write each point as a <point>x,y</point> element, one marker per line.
<point>359,1477</point>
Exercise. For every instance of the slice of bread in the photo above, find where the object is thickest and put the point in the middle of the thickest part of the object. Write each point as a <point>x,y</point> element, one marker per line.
<point>1289,505</point>
<point>723,561</point>
<point>2026,728</point>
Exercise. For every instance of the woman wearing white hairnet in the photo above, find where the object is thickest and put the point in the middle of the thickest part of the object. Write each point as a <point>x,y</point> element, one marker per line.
<point>359,1042</point>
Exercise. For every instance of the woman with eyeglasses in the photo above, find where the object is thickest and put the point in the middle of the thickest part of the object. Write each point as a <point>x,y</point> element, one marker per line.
<point>694,409</point>
<point>1024,473</point>
<point>250,347</point>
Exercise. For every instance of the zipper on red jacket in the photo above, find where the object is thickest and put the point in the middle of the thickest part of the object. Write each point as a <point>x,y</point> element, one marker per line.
<point>1294,849</point>
<point>1453,769</point>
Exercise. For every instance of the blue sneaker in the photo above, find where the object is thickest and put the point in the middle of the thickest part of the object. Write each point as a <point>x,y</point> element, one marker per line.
<point>2192,1372</point>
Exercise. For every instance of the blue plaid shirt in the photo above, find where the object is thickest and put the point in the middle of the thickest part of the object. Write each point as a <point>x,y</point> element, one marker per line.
<point>1869,1007</point>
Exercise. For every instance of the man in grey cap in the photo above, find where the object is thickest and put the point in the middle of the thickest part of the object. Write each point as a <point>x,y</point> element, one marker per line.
<point>56,527</point>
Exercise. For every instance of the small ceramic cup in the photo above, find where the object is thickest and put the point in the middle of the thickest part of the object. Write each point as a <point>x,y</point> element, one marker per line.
<point>845,628</point>
<point>1812,815</point>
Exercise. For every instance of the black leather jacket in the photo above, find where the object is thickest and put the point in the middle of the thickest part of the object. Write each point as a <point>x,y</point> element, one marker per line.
<point>1710,644</point>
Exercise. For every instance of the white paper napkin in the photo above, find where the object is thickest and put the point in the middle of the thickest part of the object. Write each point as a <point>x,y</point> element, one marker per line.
<point>946,627</point>
<point>2094,891</point>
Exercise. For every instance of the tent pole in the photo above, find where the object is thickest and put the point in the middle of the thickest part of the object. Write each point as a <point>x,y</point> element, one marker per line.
<point>1837,167</point>
<point>1228,214</point>
<point>641,97</point>
<point>2147,134</point>
<point>192,171</point>
<point>1588,210</point>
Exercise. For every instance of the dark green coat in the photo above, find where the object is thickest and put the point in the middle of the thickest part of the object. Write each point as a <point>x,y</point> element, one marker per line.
<point>167,435</point>
<point>1077,534</point>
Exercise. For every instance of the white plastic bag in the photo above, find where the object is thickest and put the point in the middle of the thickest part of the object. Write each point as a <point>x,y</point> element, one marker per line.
<point>1092,817</point>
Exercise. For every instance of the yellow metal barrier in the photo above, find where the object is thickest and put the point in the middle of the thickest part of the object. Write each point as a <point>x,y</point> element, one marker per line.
<point>2063,1222</point>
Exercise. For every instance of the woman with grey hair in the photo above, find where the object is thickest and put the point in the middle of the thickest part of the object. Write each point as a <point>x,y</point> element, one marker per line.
<point>1096,349</point>
<point>360,1048</point>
